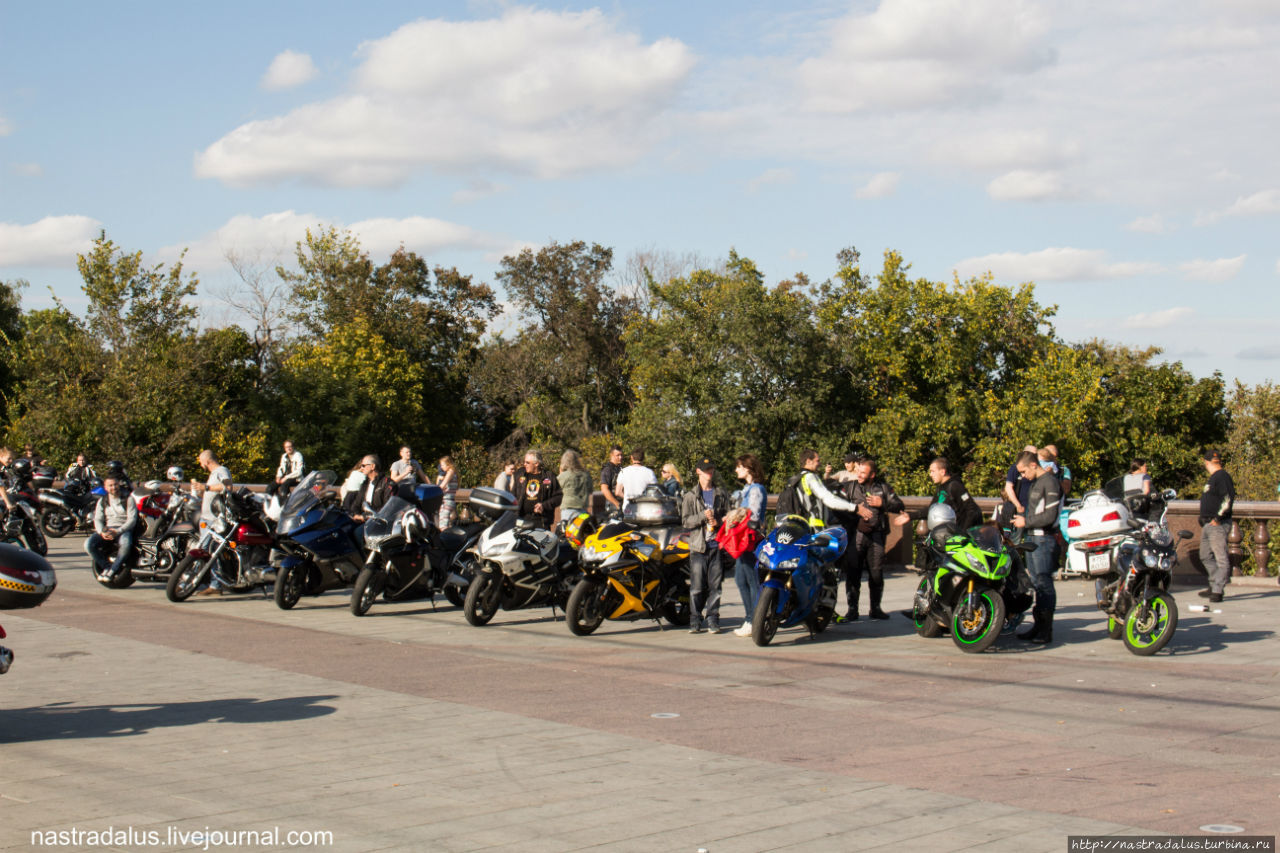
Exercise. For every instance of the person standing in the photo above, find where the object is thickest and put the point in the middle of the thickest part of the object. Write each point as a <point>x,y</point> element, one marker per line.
<point>289,471</point>
<point>633,479</point>
<point>807,496</point>
<point>875,500</point>
<point>1216,503</point>
<point>80,470</point>
<point>1017,487</point>
<point>506,481</point>
<point>219,482</point>
<point>846,475</point>
<point>1040,521</point>
<point>575,485</point>
<point>672,482</point>
<point>368,489</point>
<point>754,499</point>
<point>114,520</point>
<point>1137,483</point>
<point>406,471</point>
<point>609,478</point>
<point>537,492</point>
<point>448,483</point>
<point>702,507</point>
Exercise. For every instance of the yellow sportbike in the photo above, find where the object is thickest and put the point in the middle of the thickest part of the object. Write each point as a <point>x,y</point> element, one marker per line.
<point>629,572</point>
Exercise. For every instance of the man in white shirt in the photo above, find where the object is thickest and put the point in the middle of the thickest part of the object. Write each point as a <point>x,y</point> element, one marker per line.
<point>219,481</point>
<point>633,479</point>
<point>289,472</point>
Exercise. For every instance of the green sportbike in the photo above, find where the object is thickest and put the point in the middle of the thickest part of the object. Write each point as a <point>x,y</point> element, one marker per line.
<point>975,585</point>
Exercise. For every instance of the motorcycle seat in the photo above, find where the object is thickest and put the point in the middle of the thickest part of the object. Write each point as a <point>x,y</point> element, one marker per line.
<point>452,539</point>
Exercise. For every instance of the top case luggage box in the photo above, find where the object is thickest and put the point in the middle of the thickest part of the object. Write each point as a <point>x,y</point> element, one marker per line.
<point>1098,516</point>
<point>490,502</point>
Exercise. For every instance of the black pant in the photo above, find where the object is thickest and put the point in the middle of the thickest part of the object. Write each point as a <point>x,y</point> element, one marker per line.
<point>706,576</point>
<point>865,553</point>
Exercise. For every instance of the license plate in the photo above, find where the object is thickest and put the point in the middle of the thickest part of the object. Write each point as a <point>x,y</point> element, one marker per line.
<point>1099,563</point>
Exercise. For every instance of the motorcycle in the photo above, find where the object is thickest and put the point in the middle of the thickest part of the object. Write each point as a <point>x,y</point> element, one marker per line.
<point>408,558</point>
<point>321,546</point>
<point>518,565</point>
<point>22,524</point>
<point>1132,572</point>
<point>165,528</point>
<point>799,578</point>
<point>235,547</point>
<point>977,586</point>
<point>68,509</point>
<point>26,580</point>
<point>628,573</point>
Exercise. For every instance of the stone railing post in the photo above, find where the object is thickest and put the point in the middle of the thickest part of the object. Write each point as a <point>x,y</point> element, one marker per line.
<point>1261,548</point>
<point>1235,548</point>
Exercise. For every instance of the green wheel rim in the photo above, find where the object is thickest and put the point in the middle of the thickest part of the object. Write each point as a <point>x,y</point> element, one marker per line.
<point>1157,623</point>
<point>984,602</point>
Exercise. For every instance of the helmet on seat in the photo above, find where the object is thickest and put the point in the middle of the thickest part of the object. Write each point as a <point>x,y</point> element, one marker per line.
<point>938,515</point>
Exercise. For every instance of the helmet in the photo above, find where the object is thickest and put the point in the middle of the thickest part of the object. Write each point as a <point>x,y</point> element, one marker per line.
<point>938,515</point>
<point>22,467</point>
<point>174,474</point>
<point>115,468</point>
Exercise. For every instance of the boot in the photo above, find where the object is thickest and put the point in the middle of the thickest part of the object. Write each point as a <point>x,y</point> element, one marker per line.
<point>877,594</point>
<point>1030,634</point>
<point>851,596</point>
<point>1045,636</point>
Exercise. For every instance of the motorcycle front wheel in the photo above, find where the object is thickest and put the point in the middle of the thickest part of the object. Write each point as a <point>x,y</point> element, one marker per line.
<point>289,581</point>
<point>677,611</point>
<point>56,522</point>
<point>368,584</point>
<point>585,610</point>
<point>977,630</point>
<point>1150,624</point>
<point>764,622</point>
<point>33,538</point>
<point>185,579</point>
<point>484,597</point>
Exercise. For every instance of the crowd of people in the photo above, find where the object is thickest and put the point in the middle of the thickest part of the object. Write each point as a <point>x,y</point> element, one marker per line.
<point>857,498</point>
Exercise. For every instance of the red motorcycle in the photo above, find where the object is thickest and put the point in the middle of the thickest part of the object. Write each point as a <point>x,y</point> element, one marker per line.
<point>235,547</point>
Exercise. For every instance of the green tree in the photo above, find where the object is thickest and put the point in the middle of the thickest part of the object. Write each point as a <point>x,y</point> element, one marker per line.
<point>562,376</point>
<point>10,338</point>
<point>1253,440</point>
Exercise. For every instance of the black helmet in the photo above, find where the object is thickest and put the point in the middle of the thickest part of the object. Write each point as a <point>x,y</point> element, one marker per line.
<point>115,466</point>
<point>22,467</point>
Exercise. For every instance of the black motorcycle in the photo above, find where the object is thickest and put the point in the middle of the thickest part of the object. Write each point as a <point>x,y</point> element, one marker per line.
<point>68,509</point>
<point>21,526</point>
<point>162,538</point>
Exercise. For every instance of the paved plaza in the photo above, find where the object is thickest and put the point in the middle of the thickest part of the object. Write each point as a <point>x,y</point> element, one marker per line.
<point>410,730</point>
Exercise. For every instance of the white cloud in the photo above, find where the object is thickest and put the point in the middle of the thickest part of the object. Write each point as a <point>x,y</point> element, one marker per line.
<point>288,70</point>
<point>531,92</point>
<point>1219,269</point>
<point>5,127</point>
<point>274,236</point>
<point>51,242</point>
<point>770,177</point>
<point>909,54</point>
<point>881,185</point>
<point>1153,224</point>
<point>1053,264</point>
<point>1158,319</point>
<point>1026,185</point>
<point>990,149</point>
<point>1259,204</point>
<point>27,170</point>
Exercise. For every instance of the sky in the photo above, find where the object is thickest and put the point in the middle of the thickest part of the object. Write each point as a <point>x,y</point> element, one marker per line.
<point>1120,155</point>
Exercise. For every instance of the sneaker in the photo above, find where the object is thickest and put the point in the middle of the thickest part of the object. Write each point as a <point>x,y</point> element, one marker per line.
<point>743,630</point>
<point>851,616</point>
<point>1215,597</point>
<point>877,613</point>
<point>1205,593</point>
<point>695,626</point>
<point>713,629</point>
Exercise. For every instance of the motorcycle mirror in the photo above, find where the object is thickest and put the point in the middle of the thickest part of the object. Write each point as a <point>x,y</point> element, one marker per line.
<point>1185,534</point>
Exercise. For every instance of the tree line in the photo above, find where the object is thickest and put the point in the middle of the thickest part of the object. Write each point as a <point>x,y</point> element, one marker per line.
<point>683,358</point>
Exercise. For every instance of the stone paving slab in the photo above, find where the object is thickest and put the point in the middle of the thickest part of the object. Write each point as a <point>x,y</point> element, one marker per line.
<point>412,730</point>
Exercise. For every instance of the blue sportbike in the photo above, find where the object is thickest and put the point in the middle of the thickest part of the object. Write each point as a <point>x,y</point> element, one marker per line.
<point>798,585</point>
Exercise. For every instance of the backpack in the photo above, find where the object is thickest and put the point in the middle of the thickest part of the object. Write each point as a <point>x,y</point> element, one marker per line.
<point>789,498</point>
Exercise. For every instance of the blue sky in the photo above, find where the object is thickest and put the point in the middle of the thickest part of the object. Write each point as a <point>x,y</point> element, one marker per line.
<point>1119,155</point>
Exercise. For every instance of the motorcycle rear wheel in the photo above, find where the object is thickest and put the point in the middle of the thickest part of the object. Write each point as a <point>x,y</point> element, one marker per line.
<point>978,633</point>
<point>484,597</point>
<point>764,622</point>
<point>289,581</point>
<point>368,585</point>
<point>1150,624</point>
<point>1115,627</point>
<point>820,619</point>
<point>56,522</point>
<point>678,612</point>
<point>926,625</point>
<point>34,539</point>
<point>585,610</point>
<point>185,578</point>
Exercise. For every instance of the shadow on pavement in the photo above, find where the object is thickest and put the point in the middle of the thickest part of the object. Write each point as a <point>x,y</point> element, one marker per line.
<point>62,721</point>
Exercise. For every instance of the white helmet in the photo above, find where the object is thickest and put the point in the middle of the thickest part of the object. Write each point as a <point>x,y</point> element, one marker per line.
<point>938,515</point>
<point>174,474</point>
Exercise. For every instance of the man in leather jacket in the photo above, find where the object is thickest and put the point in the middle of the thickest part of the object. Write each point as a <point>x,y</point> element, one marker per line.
<point>875,501</point>
<point>537,491</point>
<point>375,491</point>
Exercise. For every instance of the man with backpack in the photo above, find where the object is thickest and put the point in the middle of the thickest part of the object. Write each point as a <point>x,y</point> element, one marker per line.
<point>805,495</point>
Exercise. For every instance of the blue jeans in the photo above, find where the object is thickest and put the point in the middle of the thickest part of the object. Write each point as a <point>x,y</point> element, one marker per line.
<point>100,548</point>
<point>748,579</point>
<point>1041,565</point>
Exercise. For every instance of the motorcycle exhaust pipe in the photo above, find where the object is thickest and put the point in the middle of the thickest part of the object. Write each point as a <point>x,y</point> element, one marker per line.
<point>457,580</point>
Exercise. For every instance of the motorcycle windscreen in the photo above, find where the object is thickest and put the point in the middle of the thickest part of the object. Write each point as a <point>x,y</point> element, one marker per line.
<point>304,496</point>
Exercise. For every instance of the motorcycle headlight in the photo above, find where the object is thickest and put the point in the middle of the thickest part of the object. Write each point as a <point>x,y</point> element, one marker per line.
<point>788,565</point>
<point>1150,558</point>
<point>1166,562</point>
<point>592,554</point>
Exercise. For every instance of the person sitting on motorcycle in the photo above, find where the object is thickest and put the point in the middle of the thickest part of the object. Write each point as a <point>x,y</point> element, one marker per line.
<point>368,496</point>
<point>114,521</point>
<point>80,470</point>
